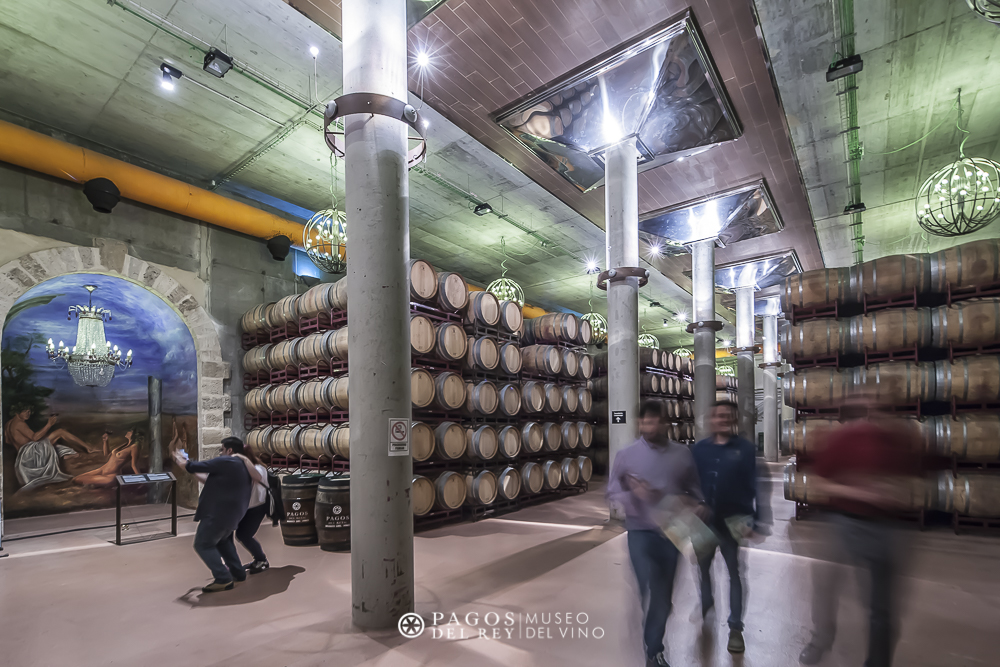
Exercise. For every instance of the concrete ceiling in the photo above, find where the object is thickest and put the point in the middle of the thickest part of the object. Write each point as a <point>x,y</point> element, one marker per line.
<point>917,55</point>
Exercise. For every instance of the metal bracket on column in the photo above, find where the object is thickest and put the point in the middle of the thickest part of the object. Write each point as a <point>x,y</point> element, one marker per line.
<point>714,325</point>
<point>753,348</point>
<point>767,364</point>
<point>622,273</point>
<point>372,103</point>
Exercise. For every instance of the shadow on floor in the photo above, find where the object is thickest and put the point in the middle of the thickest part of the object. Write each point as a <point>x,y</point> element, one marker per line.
<point>256,588</point>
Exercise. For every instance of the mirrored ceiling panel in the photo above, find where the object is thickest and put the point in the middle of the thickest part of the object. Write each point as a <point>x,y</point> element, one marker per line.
<point>660,89</point>
<point>417,10</point>
<point>734,215</point>
<point>759,273</point>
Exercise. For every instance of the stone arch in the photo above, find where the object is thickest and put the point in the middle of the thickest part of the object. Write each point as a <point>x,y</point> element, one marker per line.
<point>112,258</point>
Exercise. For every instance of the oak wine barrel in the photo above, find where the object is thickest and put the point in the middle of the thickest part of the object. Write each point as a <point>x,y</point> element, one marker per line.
<point>480,487</point>
<point>815,338</point>
<point>342,441</point>
<point>423,336</point>
<point>968,379</point>
<point>553,397</point>
<point>421,441</point>
<point>323,346</point>
<point>586,367</point>
<point>586,468</point>
<point>815,387</point>
<point>449,441</point>
<point>975,263</point>
<point>510,316</point>
<point>891,329</point>
<point>285,441</point>
<point>570,363</point>
<point>316,393</point>
<point>256,400</point>
<point>570,435</point>
<point>449,391</point>
<point>285,397</point>
<point>452,293</point>
<point>570,470</point>
<point>320,299</point>
<point>974,322</point>
<point>286,310</point>
<point>649,357</point>
<point>893,274</point>
<point>814,288</point>
<point>599,409</point>
<point>298,495</point>
<point>423,280</point>
<point>599,386</point>
<point>532,397</point>
<point>481,443</point>
<point>509,483</point>
<point>584,401</point>
<point>585,334</point>
<point>585,433</point>
<point>510,358</point>
<point>422,495</point>
<point>481,398</point>
<point>421,388</point>
<point>541,359</point>
<point>484,308</point>
<point>555,327</point>
<point>570,399</point>
<point>255,360</point>
<point>509,400</point>
<point>509,439</point>
<point>484,353</point>
<point>255,319</point>
<point>316,441</point>
<point>552,436</point>
<point>967,436</point>
<point>449,490</point>
<point>284,354</point>
<point>803,437</point>
<point>532,437</point>
<point>450,342</point>
<point>970,494</point>
<point>551,475</point>
<point>259,440</point>
<point>532,478</point>
<point>601,361</point>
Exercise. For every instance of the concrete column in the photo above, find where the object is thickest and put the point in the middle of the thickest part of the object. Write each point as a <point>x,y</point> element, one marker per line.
<point>621,192</point>
<point>770,388</point>
<point>703,292</point>
<point>377,205</point>
<point>157,492</point>
<point>744,361</point>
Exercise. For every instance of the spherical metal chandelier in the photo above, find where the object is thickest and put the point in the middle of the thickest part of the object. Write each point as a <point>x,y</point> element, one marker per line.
<point>648,340</point>
<point>988,9</point>
<point>961,198</point>
<point>598,327</point>
<point>325,240</point>
<point>506,289</point>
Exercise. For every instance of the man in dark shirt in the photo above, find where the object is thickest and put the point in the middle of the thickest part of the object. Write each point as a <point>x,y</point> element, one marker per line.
<point>643,474</point>
<point>222,504</point>
<point>727,469</point>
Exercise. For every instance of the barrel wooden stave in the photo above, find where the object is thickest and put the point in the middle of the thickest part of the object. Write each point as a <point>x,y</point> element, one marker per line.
<point>973,322</point>
<point>449,441</point>
<point>510,358</point>
<point>450,490</point>
<point>423,335</point>
<point>422,388</point>
<point>450,342</point>
<point>974,263</point>
<point>255,360</point>
<point>511,317</point>
<point>968,379</point>
<point>449,391</point>
<point>453,292</point>
<point>423,280</point>
<point>891,329</point>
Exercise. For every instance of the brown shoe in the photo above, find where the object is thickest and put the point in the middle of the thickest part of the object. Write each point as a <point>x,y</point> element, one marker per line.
<point>217,586</point>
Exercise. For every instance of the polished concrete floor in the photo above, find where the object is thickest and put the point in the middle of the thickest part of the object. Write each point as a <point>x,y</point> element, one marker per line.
<point>75,599</point>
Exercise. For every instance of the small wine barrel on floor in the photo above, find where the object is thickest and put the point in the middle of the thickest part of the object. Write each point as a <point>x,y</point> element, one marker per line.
<point>968,379</point>
<point>586,367</point>
<point>570,399</point>
<point>891,329</point>
<point>333,512</point>
<point>480,487</point>
<point>570,471</point>
<point>421,388</point>
<point>570,435</point>
<point>803,437</point>
<point>974,322</point>
<point>422,495</point>
<point>453,293</point>
<point>586,468</point>
<point>319,299</point>
<point>450,342</point>
<point>816,387</point>
<point>532,437</point>
<point>421,441</point>
<point>509,439</point>
<point>585,333</point>
<point>886,276</point>
<point>449,441</point>
<point>449,490</point>
<point>423,280</point>
<point>481,443</point>
<point>298,495</point>
<point>816,338</point>
<point>975,263</point>
<point>814,288</point>
<point>649,357</point>
<point>508,483</point>
<point>481,398</point>
<point>510,358</point>
<point>285,310</point>
<point>553,397</point>
<point>509,400</point>
<point>285,397</point>
<point>586,434</point>
<point>532,397</point>
<point>423,335</point>
<point>483,354</point>
<point>484,308</point>
<point>970,494</point>
<point>255,319</point>
<point>541,359</point>
<point>259,440</point>
<point>449,391</point>
<point>285,441</point>
<point>532,478</point>
<point>551,475</point>
<point>256,399</point>
<point>967,436</point>
<point>316,441</point>
<point>255,360</point>
<point>570,363</point>
<point>510,316</point>
<point>552,436</point>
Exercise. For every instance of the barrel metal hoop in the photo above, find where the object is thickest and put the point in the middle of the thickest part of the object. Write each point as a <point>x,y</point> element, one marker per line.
<point>968,494</point>
<point>965,437</point>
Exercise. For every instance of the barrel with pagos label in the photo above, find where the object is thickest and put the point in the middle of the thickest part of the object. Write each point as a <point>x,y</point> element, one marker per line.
<point>532,437</point>
<point>584,401</point>
<point>570,435</point>
<point>510,316</point>
<point>973,322</point>
<point>259,440</point>
<point>333,512</point>
<point>541,359</point>
<point>450,490</point>
<point>255,319</point>
<point>585,434</point>
<point>552,436</point>
<point>483,308</point>
<point>298,495</point>
<point>483,354</point>
<point>586,468</point>
<point>532,478</point>
<point>508,483</point>
<point>509,439</point>
<point>255,400</point>
<point>551,475</point>
<point>422,335</point>
<point>316,441</point>
<point>255,360</point>
<point>510,358</point>
<point>449,441</point>
<point>570,399</point>
<point>480,487</point>
<point>509,403</point>
<point>553,397</point>
<point>421,441</point>
<point>481,398</point>
<point>421,388</point>
<point>449,391</point>
<point>481,443</point>
<point>532,397</point>
<point>423,280</point>
<point>452,293</point>
<point>450,342</point>
<point>570,470</point>
<point>422,495</point>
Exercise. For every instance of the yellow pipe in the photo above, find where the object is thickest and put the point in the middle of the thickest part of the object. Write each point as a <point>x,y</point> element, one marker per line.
<point>529,312</point>
<point>38,152</point>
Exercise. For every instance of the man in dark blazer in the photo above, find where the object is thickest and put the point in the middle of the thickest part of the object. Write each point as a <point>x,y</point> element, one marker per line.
<point>222,504</point>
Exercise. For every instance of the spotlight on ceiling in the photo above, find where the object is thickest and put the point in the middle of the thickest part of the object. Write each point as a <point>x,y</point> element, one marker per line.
<point>483,209</point>
<point>167,76</point>
<point>845,67</point>
<point>855,208</point>
<point>726,342</point>
<point>217,63</point>
<point>313,51</point>
<point>592,267</point>
<point>423,59</point>
<point>655,304</point>
<point>655,249</point>
<point>279,246</point>
<point>666,322</point>
<point>681,317</point>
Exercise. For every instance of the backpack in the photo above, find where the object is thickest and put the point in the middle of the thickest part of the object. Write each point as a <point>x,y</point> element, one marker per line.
<point>275,508</point>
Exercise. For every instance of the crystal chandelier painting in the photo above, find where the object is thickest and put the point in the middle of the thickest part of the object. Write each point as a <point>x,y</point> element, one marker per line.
<point>92,361</point>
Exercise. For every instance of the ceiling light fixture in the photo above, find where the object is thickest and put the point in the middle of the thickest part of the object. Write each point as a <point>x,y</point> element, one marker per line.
<point>592,267</point>
<point>482,209</point>
<point>423,59</point>
<point>167,76</point>
<point>681,317</point>
<point>845,67</point>
<point>313,51</point>
<point>217,63</point>
<point>988,9</point>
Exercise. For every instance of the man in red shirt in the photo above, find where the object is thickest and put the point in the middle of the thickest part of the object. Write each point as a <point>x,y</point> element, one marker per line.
<point>866,468</point>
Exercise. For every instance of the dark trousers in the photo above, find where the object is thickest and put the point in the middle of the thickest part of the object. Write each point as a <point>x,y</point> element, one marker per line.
<point>654,559</point>
<point>870,545</point>
<point>248,528</point>
<point>730,549</point>
<point>214,543</point>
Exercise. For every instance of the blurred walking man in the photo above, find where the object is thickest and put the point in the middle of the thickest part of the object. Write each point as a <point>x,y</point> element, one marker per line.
<point>727,468</point>
<point>642,475</point>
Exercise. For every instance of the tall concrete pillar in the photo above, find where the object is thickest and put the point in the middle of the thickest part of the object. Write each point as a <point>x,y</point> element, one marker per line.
<point>703,327</point>
<point>379,365</point>
<point>744,361</point>
<point>771,387</point>
<point>157,492</point>
<point>621,192</point>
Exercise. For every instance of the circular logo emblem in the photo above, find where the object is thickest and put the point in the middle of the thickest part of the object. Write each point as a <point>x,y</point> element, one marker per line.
<point>337,509</point>
<point>296,506</point>
<point>411,625</point>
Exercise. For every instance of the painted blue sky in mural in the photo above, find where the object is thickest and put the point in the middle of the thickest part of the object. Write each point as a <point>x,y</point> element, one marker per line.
<point>141,321</point>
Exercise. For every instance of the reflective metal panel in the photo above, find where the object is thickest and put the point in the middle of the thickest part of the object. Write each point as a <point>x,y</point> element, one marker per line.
<point>659,89</point>
<point>417,10</point>
<point>758,273</point>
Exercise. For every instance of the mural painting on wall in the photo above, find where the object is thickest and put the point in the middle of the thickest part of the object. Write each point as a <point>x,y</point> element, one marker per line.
<point>63,442</point>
